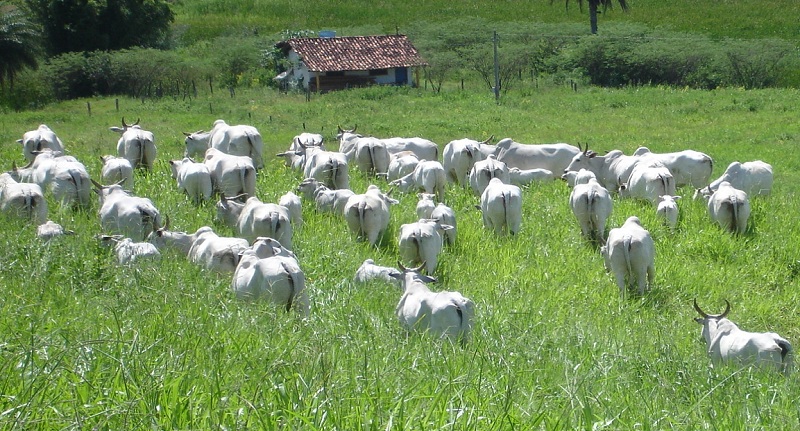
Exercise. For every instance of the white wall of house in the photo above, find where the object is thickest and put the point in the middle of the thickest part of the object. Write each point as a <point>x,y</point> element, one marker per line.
<point>300,72</point>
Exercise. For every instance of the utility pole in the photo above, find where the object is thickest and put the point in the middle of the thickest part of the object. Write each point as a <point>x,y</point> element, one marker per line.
<point>496,71</point>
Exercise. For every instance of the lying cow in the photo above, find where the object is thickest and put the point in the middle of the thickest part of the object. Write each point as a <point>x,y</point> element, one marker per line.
<point>216,253</point>
<point>523,177</point>
<point>727,343</point>
<point>24,200</point>
<point>50,230</point>
<point>443,314</point>
<point>128,251</point>
<point>630,254</point>
<point>122,213</point>
<point>326,200</point>
<point>370,271</point>
<point>753,178</point>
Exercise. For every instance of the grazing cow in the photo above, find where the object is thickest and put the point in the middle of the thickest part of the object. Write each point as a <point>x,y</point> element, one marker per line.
<point>276,279</point>
<point>193,178</point>
<point>163,238</point>
<point>730,208</point>
<point>265,247</point>
<point>292,203</point>
<point>553,157</point>
<point>523,177</point>
<point>116,170</point>
<point>23,200</point>
<point>401,164</point>
<point>196,143</point>
<point>49,230</point>
<point>445,215</point>
<point>667,210</point>
<point>648,181</point>
<point>39,139</point>
<point>425,205</point>
<point>689,167</point>
<point>421,242</point>
<point>216,253</point>
<point>592,205</point>
<point>630,254</point>
<point>231,175</point>
<point>501,206</point>
<point>729,344</point>
<point>370,271</point>
<point>326,200</point>
<point>578,177</point>
<point>753,178</point>
<point>371,156</point>
<point>484,170</point>
<point>368,215</point>
<point>128,251</point>
<point>238,140</point>
<point>254,218</point>
<point>329,167</point>
<point>459,156</point>
<point>307,140</point>
<point>423,148</point>
<point>428,176</point>
<point>136,144</point>
<point>608,169</point>
<point>63,176</point>
<point>443,314</point>
<point>131,216</point>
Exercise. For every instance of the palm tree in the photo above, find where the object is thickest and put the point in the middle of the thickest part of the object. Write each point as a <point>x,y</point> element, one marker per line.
<point>19,43</point>
<point>593,6</point>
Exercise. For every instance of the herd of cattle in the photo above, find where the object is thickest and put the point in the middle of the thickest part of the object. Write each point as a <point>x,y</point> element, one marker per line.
<point>260,256</point>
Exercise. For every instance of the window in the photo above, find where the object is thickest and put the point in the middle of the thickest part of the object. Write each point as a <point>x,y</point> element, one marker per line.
<point>334,73</point>
<point>378,72</point>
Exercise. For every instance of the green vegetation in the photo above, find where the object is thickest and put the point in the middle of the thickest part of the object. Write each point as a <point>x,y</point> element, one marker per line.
<point>88,344</point>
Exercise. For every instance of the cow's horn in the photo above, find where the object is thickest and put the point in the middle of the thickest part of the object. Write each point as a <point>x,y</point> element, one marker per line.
<point>13,165</point>
<point>96,184</point>
<point>488,140</point>
<point>727,309</point>
<point>166,223</point>
<point>124,126</point>
<point>136,123</point>
<point>697,307</point>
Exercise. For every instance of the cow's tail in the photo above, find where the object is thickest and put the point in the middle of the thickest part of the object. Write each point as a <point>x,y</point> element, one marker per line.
<point>373,166</point>
<point>29,205</point>
<point>362,211</point>
<point>735,205</point>
<point>417,245</point>
<point>465,312</point>
<point>77,182</point>
<point>590,210</point>
<point>291,278</point>
<point>247,180</point>
<point>150,221</point>
<point>254,152</point>
<point>275,223</point>
<point>626,253</point>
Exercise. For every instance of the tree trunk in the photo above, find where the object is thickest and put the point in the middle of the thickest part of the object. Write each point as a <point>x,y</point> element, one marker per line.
<point>593,16</point>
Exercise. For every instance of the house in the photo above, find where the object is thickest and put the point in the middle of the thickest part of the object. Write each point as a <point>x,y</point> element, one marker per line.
<point>322,64</point>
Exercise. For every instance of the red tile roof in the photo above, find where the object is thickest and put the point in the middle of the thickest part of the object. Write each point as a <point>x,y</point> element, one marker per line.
<point>356,53</point>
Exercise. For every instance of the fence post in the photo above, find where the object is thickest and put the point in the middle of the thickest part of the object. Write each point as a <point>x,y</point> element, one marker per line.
<point>116,104</point>
<point>89,107</point>
<point>496,71</point>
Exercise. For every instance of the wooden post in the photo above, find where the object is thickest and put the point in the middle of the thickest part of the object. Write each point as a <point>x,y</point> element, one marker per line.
<point>317,76</point>
<point>89,107</point>
<point>116,104</point>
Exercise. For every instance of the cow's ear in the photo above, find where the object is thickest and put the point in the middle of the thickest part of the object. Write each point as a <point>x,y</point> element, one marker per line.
<point>19,141</point>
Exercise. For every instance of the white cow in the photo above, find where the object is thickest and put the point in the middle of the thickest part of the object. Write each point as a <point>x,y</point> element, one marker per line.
<point>553,157</point>
<point>163,238</point>
<point>729,344</point>
<point>423,148</point>
<point>216,253</point>
<point>62,176</point>
<point>370,271</point>
<point>326,200</point>
<point>371,156</point>
<point>136,144</point>
<point>630,254</point>
<point>428,177</point>
<point>667,210</point>
<point>648,181</point>
<point>128,251</point>
<point>368,215</point>
<point>39,139</point>
<point>276,279</point>
<point>753,178</point>
<point>592,205</point>
<point>421,242</point>
<point>443,314</point>
<point>484,170</point>
<point>459,156</point>
<point>501,206</point>
<point>121,213</point>
<point>329,167</point>
<point>578,177</point>
<point>443,214</point>
<point>231,175</point>
<point>308,140</point>
<point>116,170</point>
<point>524,177</point>
<point>24,200</point>
<point>401,164</point>
<point>49,230</point>
<point>730,208</point>
<point>238,140</point>
<point>193,178</point>
<point>425,205</point>
<point>608,169</point>
<point>253,219</point>
<point>292,202</point>
<point>689,167</point>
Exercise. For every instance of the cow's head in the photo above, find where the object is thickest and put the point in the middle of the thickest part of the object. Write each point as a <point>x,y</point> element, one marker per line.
<point>710,322</point>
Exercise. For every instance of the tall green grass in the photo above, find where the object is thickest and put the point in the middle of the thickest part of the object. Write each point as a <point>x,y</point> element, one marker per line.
<point>88,344</point>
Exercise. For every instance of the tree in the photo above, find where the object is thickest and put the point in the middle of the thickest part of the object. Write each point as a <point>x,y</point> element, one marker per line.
<point>79,25</point>
<point>593,9</point>
<point>19,43</point>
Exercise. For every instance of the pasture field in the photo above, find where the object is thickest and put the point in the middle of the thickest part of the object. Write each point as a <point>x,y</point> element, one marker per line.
<point>87,344</point>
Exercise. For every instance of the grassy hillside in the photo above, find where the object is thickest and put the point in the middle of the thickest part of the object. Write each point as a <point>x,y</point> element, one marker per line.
<point>89,344</point>
<point>202,19</point>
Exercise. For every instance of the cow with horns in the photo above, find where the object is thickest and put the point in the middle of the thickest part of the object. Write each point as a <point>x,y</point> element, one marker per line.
<point>727,343</point>
<point>136,144</point>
